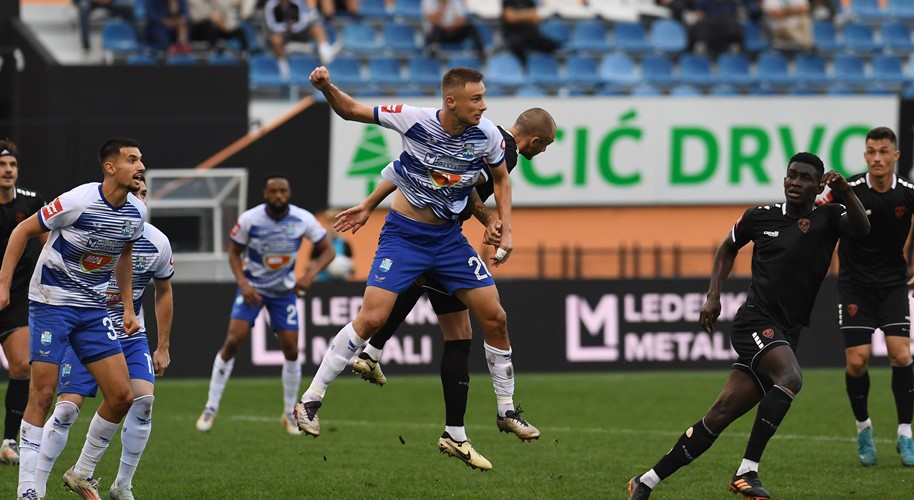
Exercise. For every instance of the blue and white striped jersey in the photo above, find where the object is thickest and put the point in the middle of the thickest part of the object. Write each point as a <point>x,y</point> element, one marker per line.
<point>272,246</point>
<point>152,258</point>
<point>437,169</point>
<point>87,237</point>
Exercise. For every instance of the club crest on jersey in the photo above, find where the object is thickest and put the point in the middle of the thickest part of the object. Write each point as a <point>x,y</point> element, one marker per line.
<point>46,338</point>
<point>93,261</point>
<point>20,216</point>
<point>385,265</point>
<point>127,228</point>
<point>852,310</point>
<point>468,151</point>
<point>899,212</point>
<point>443,179</point>
<point>139,263</point>
<point>290,229</point>
<point>51,209</point>
<point>768,333</point>
<point>804,224</point>
<point>274,262</point>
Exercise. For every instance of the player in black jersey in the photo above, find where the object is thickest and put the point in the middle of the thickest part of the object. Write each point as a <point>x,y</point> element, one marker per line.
<point>872,292</point>
<point>532,132</point>
<point>16,205</point>
<point>794,242</point>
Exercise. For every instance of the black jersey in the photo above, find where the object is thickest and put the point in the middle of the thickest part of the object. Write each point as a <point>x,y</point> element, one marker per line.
<point>24,204</point>
<point>790,258</point>
<point>486,189</point>
<point>877,259</point>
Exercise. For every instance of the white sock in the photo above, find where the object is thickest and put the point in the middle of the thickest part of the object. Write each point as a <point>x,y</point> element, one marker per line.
<point>341,349</point>
<point>53,441</point>
<point>100,433</point>
<point>746,466</point>
<point>458,434</point>
<point>222,370</point>
<point>373,352</point>
<point>904,430</point>
<point>650,479</point>
<point>863,425</point>
<point>29,448</point>
<point>502,372</point>
<point>291,380</point>
<point>134,436</point>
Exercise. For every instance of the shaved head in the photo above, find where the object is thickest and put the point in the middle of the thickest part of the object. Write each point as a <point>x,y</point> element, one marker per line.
<point>535,122</point>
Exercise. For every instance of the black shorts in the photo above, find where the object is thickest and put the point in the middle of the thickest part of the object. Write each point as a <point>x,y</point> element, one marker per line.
<point>861,310</point>
<point>442,302</point>
<point>15,316</point>
<point>754,334</point>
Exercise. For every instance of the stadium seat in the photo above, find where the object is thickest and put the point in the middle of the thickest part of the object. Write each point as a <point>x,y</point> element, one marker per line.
<point>695,69</point>
<point>557,30</point>
<point>409,10</point>
<point>401,39</point>
<point>771,68</point>
<point>668,36</point>
<point>683,90</point>
<point>589,36</point>
<point>618,69</point>
<point>543,69</point>
<point>811,70</point>
<point>896,36</point>
<point>300,68</point>
<point>410,91</point>
<point>888,70</point>
<point>837,90</point>
<point>825,37</point>
<point>859,38</point>
<point>658,70</point>
<point>373,10</point>
<point>424,71</point>
<point>223,59</point>
<point>505,69</point>
<point>631,37</point>
<point>264,72</point>
<point>879,90</point>
<point>908,92</point>
<point>723,90</point>
<point>119,37</point>
<point>346,72</point>
<point>735,69</point>
<point>583,71</point>
<point>464,61</point>
<point>140,60</point>
<point>359,38</point>
<point>868,10</point>
<point>762,91</point>
<point>902,10</point>
<point>849,70</point>
<point>801,90</point>
<point>617,11</point>
<point>250,35</point>
<point>496,91</point>
<point>753,40</point>
<point>385,72</point>
<point>530,91</point>
<point>608,90</point>
<point>180,60</point>
<point>645,90</point>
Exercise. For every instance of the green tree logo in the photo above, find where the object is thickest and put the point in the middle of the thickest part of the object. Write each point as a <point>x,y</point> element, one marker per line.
<point>370,157</point>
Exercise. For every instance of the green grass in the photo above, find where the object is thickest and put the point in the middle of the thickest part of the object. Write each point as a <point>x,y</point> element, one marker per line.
<point>598,430</point>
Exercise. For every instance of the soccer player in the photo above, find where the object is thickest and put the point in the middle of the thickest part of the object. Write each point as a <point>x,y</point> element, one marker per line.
<point>93,227</point>
<point>265,243</point>
<point>872,292</point>
<point>532,132</point>
<point>16,203</point>
<point>794,242</point>
<point>444,157</point>
<point>152,260</point>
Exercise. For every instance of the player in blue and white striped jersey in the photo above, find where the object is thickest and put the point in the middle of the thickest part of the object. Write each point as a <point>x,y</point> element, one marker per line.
<point>265,244</point>
<point>152,261</point>
<point>445,155</point>
<point>93,228</point>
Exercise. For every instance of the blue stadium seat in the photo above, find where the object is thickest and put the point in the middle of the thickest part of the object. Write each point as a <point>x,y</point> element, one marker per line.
<point>840,90</point>
<point>753,39</point>
<point>902,10</point>
<point>373,10</point>
<point>811,69</point>
<point>557,30</point>
<point>505,69</point>
<point>119,37</point>
<point>645,90</point>
<point>300,68</point>
<point>762,91</point>
<point>631,37</point>
<point>464,61</point>
<point>888,70</point>
<point>589,35</point>
<point>735,69</point>
<point>879,90</point>
<point>401,39</point>
<point>668,36</point>
<point>801,90</point>
<point>658,70</point>
<point>410,91</point>
<point>695,69</point>
<point>180,60</point>
<point>250,36</point>
<point>360,38</point>
<point>264,72</point>
<point>140,60</point>
<point>859,38</point>
<point>618,69</point>
<point>583,71</point>
<point>409,10</point>
<point>897,37</point>
<point>223,59</point>
<point>723,90</point>
<point>486,33</point>
<point>772,68</point>
<point>825,37</point>
<point>424,71</point>
<point>868,10</point>
<point>346,72</point>
<point>496,91</point>
<point>683,90</point>
<point>850,70</point>
<point>908,92</point>
<point>385,72</point>
<point>607,90</point>
<point>543,69</point>
<point>530,91</point>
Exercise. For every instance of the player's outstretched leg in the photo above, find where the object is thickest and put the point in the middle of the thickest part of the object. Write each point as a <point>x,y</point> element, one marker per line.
<point>464,451</point>
<point>638,490</point>
<point>509,418</point>
<point>749,486</point>
<point>305,414</point>
<point>368,368</point>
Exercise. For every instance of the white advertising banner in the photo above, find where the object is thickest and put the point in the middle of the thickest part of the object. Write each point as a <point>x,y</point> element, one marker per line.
<point>645,151</point>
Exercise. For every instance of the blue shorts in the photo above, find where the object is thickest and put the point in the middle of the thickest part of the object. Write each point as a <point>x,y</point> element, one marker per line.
<point>407,249</point>
<point>76,379</point>
<point>283,311</point>
<point>88,331</point>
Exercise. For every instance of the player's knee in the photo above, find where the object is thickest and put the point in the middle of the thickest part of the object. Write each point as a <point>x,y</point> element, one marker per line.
<point>142,408</point>
<point>19,368</point>
<point>792,382</point>
<point>857,365</point>
<point>43,397</point>
<point>369,325</point>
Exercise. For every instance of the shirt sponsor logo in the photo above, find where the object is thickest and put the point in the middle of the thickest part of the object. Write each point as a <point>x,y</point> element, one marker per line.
<point>236,229</point>
<point>93,261</point>
<point>112,297</point>
<point>443,179</point>
<point>104,245</point>
<point>274,262</point>
<point>51,209</point>
<point>773,234</point>
<point>391,108</point>
<point>46,338</point>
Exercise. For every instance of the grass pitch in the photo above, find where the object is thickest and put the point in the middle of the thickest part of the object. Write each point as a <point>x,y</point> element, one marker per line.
<point>598,430</point>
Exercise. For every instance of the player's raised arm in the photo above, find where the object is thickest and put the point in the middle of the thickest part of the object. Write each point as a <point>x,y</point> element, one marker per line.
<point>14,248</point>
<point>342,103</point>
<point>502,190</point>
<point>855,222</point>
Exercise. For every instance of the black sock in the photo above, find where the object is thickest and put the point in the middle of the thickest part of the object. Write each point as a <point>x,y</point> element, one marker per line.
<point>17,396</point>
<point>691,444</point>
<point>455,380</point>
<point>771,411</point>
<point>858,390</point>
<point>903,389</point>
